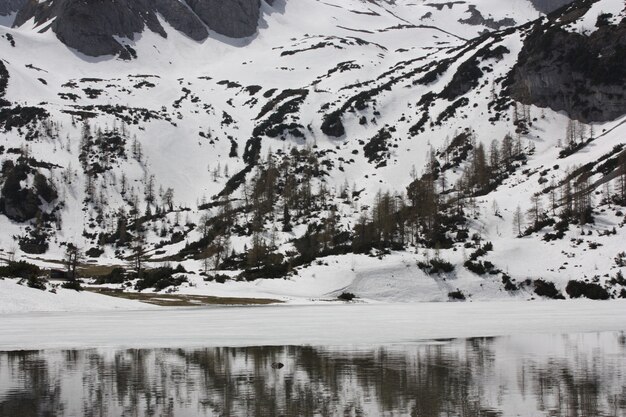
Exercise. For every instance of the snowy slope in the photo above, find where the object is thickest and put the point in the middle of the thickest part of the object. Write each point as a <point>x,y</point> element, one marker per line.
<point>15,299</point>
<point>372,65</point>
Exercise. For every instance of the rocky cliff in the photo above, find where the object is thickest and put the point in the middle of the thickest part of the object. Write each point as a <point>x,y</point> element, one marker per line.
<point>92,27</point>
<point>235,18</point>
<point>584,75</point>
<point>10,6</point>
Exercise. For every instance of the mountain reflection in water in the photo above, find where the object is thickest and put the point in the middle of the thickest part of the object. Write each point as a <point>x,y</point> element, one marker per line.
<point>541,375</point>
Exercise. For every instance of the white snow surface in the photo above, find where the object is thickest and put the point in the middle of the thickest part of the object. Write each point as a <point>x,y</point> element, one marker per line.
<point>18,299</point>
<point>355,324</point>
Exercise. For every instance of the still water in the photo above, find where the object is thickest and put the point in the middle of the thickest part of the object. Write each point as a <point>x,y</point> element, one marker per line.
<point>540,375</point>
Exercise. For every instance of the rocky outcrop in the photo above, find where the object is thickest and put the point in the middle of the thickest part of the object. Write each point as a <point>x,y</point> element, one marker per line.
<point>22,203</point>
<point>233,18</point>
<point>584,76</point>
<point>8,7</point>
<point>477,19</point>
<point>92,27</point>
<point>548,6</point>
<point>182,19</point>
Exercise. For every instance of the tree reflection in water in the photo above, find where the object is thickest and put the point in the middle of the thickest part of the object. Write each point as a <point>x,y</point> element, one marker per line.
<point>571,375</point>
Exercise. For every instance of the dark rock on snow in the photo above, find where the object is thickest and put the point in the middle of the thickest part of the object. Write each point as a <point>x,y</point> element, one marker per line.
<point>90,26</point>
<point>548,6</point>
<point>11,6</point>
<point>234,18</point>
<point>584,75</point>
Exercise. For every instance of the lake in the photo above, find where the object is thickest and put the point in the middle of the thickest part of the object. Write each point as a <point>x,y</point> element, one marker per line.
<point>489,359</point>
<point>540,375</point>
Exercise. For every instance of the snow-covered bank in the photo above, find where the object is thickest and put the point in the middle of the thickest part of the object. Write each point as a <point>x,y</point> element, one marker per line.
<point>397,278</point>
<point>357,324</point>
<point>16,298</point>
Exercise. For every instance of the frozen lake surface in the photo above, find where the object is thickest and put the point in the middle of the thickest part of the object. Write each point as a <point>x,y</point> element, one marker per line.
<point>320,325</point>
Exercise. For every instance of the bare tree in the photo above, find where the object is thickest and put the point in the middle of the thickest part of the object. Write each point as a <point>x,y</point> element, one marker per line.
<point>535,213</point>
<point>518,221</point>
<point>168,198</point>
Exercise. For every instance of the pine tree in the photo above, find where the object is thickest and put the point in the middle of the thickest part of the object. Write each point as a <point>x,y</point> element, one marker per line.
<point>150,189</point>
<point>73,257</point>
<point>286,219</point>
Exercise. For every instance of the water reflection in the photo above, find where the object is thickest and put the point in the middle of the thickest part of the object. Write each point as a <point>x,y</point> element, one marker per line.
<point>572,375</point>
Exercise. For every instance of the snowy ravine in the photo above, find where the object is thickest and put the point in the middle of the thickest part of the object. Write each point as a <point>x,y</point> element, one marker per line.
<point>395,151</point>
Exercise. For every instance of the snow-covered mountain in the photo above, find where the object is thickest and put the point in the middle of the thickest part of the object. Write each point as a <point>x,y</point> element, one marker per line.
<point>393,149</point>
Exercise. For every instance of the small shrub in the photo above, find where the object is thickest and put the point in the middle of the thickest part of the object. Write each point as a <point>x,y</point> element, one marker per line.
<point>435,266</point>
<point>116,276</point>
<point>508,283</point>
<point>73,284</point>
<point>480,267</point>
<point>618,279</point>
<point>577,289</point>
<point>456,295</point>
<point>94,252</point>
<point>346,296</point>
<point>159,279</point>
<point>219,278</point>
<point>439,265</point>
<point>547,289</point>
<point>20,269</point>
<point>37,283</point>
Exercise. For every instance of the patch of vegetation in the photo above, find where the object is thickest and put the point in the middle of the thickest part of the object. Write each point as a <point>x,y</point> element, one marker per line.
<point>456,295</point>
<point>509,285</point>
<point>36,283</point>
<point>346,296</point>
<point>547,289</point>
<point>593,291</point>
<point>159,279</point>
<point>19,269</point>
<point>116,276</point>
<point>219,278</point>
<point>436,266</point>
<point>480,267</point>
<point>74,284</point>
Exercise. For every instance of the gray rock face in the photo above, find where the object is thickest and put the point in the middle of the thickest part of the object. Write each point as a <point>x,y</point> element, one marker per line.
<point>476,18</point>
<point>233,18</point>
<point>182,19</point>
<point>584,76</point>
<point>90,26</point>
<point>10,6</point>
<point>548,6</point>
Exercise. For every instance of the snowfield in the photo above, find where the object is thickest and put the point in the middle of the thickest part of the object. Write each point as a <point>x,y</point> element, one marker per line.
<point>18,299</point>
<point>364,324</point>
